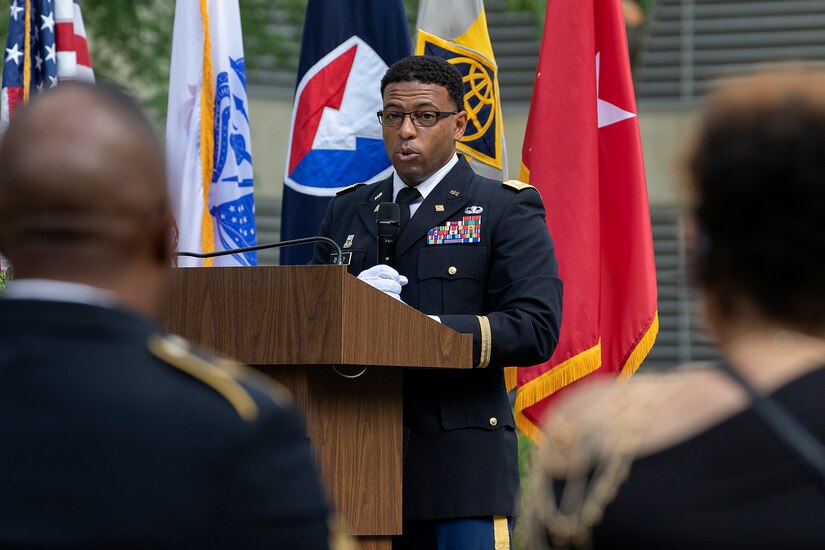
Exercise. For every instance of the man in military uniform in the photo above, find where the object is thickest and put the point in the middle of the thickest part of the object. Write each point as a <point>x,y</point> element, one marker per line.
<point>475,255</point>
<point>113,433</point>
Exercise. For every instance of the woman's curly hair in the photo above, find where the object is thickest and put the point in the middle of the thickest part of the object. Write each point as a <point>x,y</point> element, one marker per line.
<point>757,173</point>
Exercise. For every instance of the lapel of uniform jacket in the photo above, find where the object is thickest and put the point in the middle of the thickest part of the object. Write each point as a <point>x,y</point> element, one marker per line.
<point>451,192</point>
<point>366,210</point>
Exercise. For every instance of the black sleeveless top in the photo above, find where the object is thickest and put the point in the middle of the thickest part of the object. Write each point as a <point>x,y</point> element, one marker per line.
<point>731,486</point>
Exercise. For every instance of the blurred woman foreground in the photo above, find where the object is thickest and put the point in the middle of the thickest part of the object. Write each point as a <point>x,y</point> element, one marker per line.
<point>725,455</point>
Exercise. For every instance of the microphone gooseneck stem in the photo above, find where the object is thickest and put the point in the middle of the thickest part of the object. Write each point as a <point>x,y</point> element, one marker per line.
<point>293,242</point>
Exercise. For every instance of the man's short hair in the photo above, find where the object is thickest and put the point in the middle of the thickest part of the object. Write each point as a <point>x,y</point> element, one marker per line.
<point>427,69</point>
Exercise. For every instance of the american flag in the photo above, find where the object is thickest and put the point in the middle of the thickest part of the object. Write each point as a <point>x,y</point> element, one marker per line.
<point>55,51</point>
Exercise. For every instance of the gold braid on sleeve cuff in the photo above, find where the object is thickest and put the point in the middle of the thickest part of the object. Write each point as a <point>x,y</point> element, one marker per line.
<point>486,342</point>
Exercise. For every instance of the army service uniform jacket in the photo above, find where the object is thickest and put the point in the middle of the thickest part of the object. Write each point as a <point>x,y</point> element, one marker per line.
<point>495,278</point>
<point>116,435</point>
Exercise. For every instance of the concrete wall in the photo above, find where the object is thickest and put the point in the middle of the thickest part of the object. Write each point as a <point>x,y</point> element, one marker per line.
<point>663,134</point>
<point>269,127</point>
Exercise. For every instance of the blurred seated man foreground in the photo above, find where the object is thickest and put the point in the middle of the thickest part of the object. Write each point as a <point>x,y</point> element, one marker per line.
<point>730,454</point>
<point>115,434</point>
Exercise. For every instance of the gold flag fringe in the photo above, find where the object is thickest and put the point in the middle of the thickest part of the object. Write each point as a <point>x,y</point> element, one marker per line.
<point>27,53</point>
<point>510,378</point>
<point>207,142</point>
<point>643,347</point>
<point>573,369</point>
<point>550,382</point>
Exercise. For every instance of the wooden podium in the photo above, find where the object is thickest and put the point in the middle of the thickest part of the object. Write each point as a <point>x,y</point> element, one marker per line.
<point>298,324</point>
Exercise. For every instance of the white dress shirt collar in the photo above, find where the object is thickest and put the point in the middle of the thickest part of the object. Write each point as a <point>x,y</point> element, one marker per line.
<point>60,291</point>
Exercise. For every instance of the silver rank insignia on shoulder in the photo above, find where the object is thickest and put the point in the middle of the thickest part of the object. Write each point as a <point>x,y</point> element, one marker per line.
<point>473,210</point>
<point>378,196</point>
<point>348,242</point>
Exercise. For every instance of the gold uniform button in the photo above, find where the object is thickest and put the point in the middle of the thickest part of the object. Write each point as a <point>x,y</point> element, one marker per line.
<point>493,421</point>
<point>452,270</point>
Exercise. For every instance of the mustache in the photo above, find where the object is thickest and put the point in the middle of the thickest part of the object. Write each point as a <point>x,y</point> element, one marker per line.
<point>407,149</point>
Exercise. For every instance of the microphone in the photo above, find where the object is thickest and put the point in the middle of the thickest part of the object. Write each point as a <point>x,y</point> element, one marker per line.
<point>388,220</point>
<point>338,260</point>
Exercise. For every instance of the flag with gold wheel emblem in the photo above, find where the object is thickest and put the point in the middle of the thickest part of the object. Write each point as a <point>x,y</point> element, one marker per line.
<point>457,32</point>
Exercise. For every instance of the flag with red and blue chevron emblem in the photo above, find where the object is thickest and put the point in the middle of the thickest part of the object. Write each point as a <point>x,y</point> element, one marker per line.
<point>335,139</point>
<point>46,45</point>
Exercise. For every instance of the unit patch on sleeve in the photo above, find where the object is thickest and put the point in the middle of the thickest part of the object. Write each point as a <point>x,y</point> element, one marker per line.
<point>465,230</point>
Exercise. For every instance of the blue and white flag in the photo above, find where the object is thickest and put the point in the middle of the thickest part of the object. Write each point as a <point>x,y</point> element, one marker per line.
<point>208,148</point>
<point>335,139</point>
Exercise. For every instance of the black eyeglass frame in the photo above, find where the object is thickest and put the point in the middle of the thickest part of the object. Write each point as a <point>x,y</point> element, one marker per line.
<point>414,117</point>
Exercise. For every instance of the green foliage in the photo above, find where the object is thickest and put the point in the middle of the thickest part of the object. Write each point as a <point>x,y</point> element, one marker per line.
<point>5,277</point>
<point>270,30</point>
<point>4,30</point>
<point>526,453</point>
<point>539,8</point>
<point>130,41</point>
<point>411,11</point>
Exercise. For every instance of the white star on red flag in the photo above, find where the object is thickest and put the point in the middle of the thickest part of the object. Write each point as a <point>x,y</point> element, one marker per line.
<point>608,113</point>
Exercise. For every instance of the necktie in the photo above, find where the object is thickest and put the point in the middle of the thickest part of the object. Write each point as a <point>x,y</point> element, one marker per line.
<point>404,198</point>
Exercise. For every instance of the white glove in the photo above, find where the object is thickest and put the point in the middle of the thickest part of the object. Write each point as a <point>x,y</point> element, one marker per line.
<point>385,279</point>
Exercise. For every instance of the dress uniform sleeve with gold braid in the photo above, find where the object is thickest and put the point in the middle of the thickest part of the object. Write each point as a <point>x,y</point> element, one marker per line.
<point>486,342</point>
<point>222,375</point>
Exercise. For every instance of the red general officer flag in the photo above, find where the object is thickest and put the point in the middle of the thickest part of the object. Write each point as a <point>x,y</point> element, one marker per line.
<point>583,152</point>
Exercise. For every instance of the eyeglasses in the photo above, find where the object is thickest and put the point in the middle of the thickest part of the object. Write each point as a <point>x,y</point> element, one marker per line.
<point>422,119</point>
